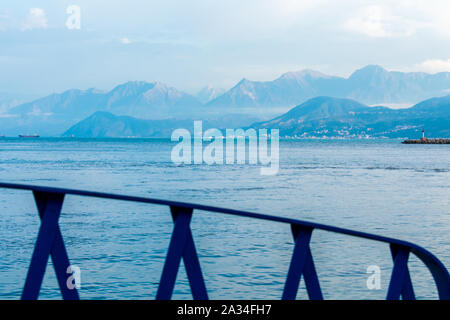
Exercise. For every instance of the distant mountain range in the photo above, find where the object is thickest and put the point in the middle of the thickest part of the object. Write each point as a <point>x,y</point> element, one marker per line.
<point>138,98</point>
<point>371,85</point>
<point>318,117</point>
<point>54,114</point>
<point>338,117</point>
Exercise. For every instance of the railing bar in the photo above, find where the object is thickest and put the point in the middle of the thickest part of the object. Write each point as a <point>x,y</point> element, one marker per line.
<point>173,258</point>
<point>299,258</point>
<point>398,274</point>
<point>193,270</point>
<point>309,271</point>
<point>191,261</point>
<point>407,291</point>
<point>438,271</point>
<point>49,212</point>
<point>311,278</point>
<point>58,253</point>
<point>61,262</point>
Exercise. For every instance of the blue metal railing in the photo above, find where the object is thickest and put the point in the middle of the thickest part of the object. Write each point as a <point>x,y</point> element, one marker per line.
<point>50,242</point>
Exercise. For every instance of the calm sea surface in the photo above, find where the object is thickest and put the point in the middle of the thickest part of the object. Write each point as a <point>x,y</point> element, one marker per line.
<point>381,187</point>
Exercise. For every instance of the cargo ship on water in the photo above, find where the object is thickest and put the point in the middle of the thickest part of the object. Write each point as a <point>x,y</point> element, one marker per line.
<point>29,136</point>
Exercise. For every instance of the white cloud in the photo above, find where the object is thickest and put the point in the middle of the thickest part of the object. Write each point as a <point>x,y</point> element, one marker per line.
<point>125,41</point>
<point>36,19</point>
<point>434,66</point>
<point>435,13</point>
<point>380,22</point>
<point>387,19</point>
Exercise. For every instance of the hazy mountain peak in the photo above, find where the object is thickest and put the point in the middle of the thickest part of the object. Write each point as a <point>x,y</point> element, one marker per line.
<point>160,91</point>
<point>244,81</point>
<point>303,73</point>
<point>369,71</point>
<point>70,92</point>
<point>131,88</point>
<point>160,86</point>
<point>95,91</point>
<point>138,83</point>
<point>208,93</point>
<point>373,68</point>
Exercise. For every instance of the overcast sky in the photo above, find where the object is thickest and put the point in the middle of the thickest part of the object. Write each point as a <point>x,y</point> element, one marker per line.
<point>192,43</point>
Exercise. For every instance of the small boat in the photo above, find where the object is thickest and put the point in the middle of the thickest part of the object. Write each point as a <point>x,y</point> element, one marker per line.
<point>28,136</point>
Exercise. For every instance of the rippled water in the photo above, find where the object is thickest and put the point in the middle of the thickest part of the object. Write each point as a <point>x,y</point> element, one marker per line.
<point>381,187</point>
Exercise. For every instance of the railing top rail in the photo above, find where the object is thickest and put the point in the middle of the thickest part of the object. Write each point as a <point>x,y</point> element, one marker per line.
<point>242,213</point>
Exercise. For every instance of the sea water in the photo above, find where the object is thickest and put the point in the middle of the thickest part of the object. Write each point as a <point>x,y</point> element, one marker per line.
<point>377,186</point>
